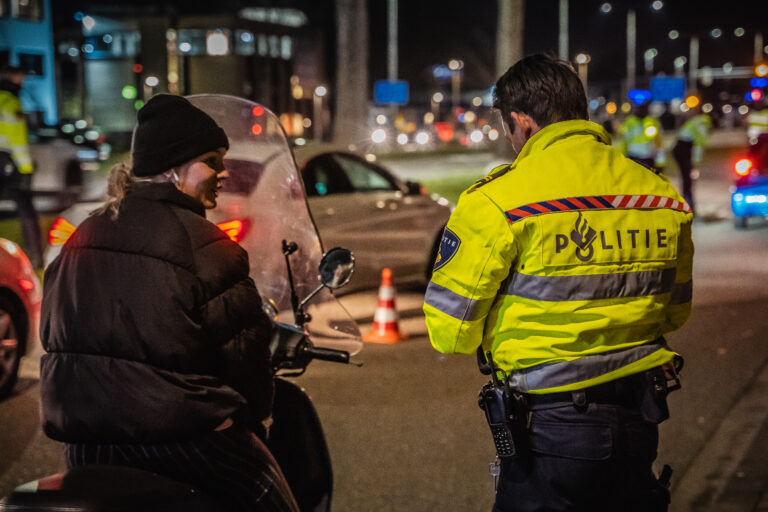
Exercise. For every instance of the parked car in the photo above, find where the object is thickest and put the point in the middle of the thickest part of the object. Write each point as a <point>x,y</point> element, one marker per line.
<point>384,221</point>
<point>20,296</point>
<point>63,164</point>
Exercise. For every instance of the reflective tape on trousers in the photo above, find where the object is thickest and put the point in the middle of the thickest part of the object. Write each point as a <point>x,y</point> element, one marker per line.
<point>592,287</point>
<point>553,375</point>
<point>455,305</point>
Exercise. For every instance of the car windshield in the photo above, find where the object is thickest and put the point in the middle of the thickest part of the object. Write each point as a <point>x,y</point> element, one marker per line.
<point>264,201</point>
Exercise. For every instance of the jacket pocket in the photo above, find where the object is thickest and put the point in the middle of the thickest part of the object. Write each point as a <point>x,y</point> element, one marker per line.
<point>581,441</point>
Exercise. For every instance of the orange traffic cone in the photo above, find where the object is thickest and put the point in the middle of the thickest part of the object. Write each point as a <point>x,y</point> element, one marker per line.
<point>385,328</point>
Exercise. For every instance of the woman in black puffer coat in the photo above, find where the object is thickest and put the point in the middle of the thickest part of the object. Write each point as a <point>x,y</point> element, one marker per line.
<point>157,346</point>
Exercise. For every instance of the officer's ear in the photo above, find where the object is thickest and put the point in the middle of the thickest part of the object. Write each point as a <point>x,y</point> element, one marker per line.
<point>525,123</point>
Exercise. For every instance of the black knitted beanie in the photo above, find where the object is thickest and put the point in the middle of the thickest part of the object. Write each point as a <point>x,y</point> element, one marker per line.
<point>171,131</point>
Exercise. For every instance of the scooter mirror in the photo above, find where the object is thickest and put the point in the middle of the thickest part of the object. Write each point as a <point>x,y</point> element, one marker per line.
<point>336,267</point>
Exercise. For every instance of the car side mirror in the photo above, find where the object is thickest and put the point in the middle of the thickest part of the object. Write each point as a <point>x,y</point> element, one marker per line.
<point>414,188</point>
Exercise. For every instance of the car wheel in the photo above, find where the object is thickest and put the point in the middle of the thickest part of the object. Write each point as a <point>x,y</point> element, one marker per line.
<point>740,222</point>
<point>10,349</point>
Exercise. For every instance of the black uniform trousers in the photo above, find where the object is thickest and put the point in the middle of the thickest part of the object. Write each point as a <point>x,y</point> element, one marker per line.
<point>593,457</point>
<point>683,153</point>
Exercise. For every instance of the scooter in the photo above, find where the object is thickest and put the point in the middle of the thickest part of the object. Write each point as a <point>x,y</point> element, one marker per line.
<point>265,192</point>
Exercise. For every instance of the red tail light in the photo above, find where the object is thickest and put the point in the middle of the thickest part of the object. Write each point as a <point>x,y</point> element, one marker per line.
<point>60,232</point>
<point>235,229</point>
<point>26,285</point>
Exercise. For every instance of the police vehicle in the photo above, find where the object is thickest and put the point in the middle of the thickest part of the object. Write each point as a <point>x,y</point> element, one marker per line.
<point>749,195</point>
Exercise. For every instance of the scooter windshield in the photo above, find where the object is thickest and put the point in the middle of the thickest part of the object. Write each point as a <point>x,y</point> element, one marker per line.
<point>263,203</point>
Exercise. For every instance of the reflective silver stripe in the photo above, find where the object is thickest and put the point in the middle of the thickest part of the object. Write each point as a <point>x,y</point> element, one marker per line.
<point>455,305</point>
<point>681,293</point>
<point>592,287</point>
<point>587,367</point>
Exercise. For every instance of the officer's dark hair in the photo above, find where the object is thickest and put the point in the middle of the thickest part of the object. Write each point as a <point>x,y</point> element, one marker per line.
<point>7,71</point>
<point>543,87</point>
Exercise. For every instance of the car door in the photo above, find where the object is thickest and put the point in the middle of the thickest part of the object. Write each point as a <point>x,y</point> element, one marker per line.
<point>359,205</point>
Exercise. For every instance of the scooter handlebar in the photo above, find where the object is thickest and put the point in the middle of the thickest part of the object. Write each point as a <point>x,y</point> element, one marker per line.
<point>327,354</point>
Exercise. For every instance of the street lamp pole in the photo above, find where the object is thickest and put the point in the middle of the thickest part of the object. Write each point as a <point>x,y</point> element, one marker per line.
<point>563,37</point>
<point>455,65</point>
<point>693,63</point>
<point>582,61</point>
<point>631,48</point>
<point>317,103</point>
<point>392,43</point>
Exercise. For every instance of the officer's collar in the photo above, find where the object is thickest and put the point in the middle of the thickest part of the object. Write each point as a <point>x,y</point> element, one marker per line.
<point>557,131</point>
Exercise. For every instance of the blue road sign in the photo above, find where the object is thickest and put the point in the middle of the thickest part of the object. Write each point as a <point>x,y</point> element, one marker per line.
<point>667,88</point>
<point>391,92</point>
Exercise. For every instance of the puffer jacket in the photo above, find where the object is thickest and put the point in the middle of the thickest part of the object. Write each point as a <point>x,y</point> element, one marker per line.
<point>153,329</point>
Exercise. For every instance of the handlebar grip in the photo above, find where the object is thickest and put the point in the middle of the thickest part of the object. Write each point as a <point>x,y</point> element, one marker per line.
<point>327,354</point>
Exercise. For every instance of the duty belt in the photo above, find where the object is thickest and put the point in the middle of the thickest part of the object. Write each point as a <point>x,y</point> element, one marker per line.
<point>625,392</point>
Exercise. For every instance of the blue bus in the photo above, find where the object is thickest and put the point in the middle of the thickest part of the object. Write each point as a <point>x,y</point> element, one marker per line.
<point>26,40</point>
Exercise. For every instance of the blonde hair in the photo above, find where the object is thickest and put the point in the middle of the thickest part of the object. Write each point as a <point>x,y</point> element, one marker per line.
<point>119,181</point>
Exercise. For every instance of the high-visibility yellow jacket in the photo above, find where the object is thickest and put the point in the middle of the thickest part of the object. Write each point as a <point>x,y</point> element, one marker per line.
<point>13,131</point>
<point>569,265</point>
<point>696,130</point>
<point>757,123</point>
<point>640,138</point>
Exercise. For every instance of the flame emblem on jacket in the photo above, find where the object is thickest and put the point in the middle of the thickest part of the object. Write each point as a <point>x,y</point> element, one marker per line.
<point>583,236</point>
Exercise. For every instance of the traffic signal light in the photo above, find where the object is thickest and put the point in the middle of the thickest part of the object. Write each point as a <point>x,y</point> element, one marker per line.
<point>761,69</point>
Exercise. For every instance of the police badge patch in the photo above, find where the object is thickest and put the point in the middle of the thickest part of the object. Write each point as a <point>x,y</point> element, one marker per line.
<point>449,244</point>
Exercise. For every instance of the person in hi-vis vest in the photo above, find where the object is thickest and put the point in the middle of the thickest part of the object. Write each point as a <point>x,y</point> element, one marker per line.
<point>16,166</point>
<point>568,266</point>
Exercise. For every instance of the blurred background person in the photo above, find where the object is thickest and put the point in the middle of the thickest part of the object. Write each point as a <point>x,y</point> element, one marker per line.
<point>639,138</point>
<point>757,122</point>
<point>16,166</point>
<point>689,150</point>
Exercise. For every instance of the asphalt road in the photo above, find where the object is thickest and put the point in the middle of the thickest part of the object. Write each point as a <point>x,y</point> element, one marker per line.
<point>405,433</point>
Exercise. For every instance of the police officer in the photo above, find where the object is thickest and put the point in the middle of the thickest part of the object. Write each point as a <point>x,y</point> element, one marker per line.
<point>639,138</point>
<point>568,265</point>
<point>16,165</point>
<point>757,122</point>
<point>689,150</point>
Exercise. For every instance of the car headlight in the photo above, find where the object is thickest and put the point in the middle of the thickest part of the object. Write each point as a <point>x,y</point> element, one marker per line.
<point>87,154</point>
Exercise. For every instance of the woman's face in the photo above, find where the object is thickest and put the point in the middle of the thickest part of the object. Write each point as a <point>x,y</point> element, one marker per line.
<point>201,178</point>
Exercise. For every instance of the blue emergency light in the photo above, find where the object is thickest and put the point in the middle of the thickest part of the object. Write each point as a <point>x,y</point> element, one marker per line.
<point>639,96</point>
